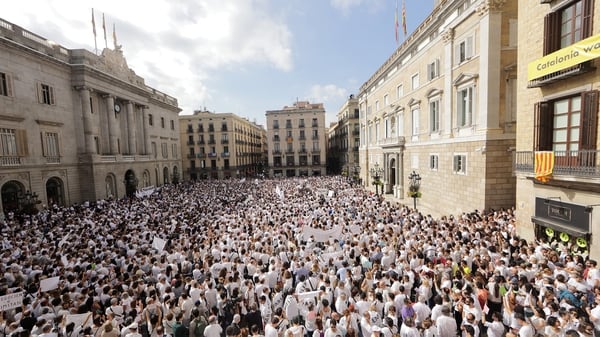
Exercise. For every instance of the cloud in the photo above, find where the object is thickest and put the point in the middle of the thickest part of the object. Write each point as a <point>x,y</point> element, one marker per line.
<point>346,6</point>
<point>330,95</point>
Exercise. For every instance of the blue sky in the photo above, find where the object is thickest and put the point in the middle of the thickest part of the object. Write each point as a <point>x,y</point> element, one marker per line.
<point>239,56</point>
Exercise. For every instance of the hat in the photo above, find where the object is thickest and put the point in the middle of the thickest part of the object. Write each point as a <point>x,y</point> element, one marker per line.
<point>133,325</point>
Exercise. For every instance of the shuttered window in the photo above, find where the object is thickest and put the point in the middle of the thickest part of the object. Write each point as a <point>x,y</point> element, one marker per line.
<point>567,25</point>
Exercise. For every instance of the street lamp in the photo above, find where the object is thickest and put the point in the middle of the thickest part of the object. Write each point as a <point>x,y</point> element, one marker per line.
<point>414,184</point>
<point>376,173</point>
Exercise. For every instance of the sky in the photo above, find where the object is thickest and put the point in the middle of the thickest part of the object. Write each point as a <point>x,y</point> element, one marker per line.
<point>238,56</point>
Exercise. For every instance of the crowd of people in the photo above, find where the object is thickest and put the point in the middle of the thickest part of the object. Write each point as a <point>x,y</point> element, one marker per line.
<point>310,257</point>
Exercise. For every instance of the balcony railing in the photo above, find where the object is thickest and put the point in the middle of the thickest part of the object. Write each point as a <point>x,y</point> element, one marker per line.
<point>224,141</point>
<point>225,154</point>
<point>201,142</point>
<point>212,154</point>
<point>585,163</point>
<point>201,155</point>
<point>190,142</point>
<point>54,159</point>
<point>191,156</point>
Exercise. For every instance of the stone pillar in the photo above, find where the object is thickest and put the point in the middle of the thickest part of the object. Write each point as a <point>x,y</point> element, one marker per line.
<point>113,138</point>
<point>145,127</point>
<point>88,128</point>
<point>129,109</point>
<point>448,102</point>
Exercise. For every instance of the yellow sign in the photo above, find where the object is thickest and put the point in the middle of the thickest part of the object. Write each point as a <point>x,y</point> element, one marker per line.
<point>572,55</point>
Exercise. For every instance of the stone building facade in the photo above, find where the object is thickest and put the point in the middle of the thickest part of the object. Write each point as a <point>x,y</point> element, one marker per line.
<point>221,146</point>
<point>76,126</point>
<point>343,140</point>
<point>444,107</point>
<point>558,103</point>
<point>296,138</point>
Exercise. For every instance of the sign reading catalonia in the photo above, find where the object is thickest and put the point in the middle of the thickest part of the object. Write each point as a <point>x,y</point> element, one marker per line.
<point>572,55</point>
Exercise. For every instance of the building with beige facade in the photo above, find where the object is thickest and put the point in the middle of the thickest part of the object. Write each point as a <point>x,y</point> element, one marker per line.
<point>296,137</point>
<point>343,140</point>
<point>76,126</point>
<point>557,160</point>
<point>443,106</point>
<point>221,146</point>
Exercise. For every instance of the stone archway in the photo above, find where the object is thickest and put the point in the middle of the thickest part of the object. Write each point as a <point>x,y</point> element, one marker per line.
<point>176,175</point>
<point>55,192</point>
<point>131,183</point>
<point>10,196</point>
<point>166,175</point>
<point>111,186</point>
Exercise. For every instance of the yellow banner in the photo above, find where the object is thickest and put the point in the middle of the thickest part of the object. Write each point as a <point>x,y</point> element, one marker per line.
<point>574,54</point>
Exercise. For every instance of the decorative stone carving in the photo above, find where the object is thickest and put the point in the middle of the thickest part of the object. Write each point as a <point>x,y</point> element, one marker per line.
<point>448,35</point>
<point>490,5</point>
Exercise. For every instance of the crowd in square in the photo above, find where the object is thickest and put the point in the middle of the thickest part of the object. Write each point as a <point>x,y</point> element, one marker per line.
<point>310,257</point>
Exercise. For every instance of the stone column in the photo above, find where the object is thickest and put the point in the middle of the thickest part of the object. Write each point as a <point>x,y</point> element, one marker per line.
<point>88,128</point>
<point>113,139</point>
<point>147,149</point>
<point>130,128</point>
<point>447,122</point>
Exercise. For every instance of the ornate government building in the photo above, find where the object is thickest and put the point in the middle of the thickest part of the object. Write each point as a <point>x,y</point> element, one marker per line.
<point>76,126</point>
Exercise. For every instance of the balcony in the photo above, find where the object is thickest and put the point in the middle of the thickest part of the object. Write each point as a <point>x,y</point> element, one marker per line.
<point>355,132</point>
<point>190,142</point>
<point>200,130</point>
<point>302,151</point>
<point>225,141</point>
<point>54,159</point>
<point>212,154</point>
<point>276,152</point>
<point>224,128</point>
<point>584,164</point>
<point>315,125</point>
<point>301,126</point>
<point>315,137</point>
<point>211,129</point>
<point>225,155</point>
<point>275,126</point>
<point>392,142</point>
<point>289,152</point>
<point>212,141</point>
<point>201,155</point>
<point>289,139</point>
<point>190,130</point>
<point>191,156</point>
<point>201,142</point>
<point>275,138</point>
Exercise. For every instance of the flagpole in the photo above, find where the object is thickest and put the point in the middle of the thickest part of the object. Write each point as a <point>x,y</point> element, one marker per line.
<point>94,30</point>
<point>104,29</point>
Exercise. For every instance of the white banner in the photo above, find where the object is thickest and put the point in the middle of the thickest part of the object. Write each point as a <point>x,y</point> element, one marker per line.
<point>159,244</point>
<point>49,283</point>
<point>144,192</point>
<point>83,320</point>
<point>321,235</point>
<point>11,301</point>
<point>308,295</point>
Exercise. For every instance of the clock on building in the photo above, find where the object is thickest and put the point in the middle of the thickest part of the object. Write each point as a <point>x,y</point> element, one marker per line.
<point>117,108</point>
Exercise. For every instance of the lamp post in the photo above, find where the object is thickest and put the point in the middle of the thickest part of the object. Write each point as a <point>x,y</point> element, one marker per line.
<point>414,184</point>
<point>376,172</point>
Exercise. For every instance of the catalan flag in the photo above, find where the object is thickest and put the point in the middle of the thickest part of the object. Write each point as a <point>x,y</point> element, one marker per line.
<point>93,23</point>
<point>544,165</point>
<point>404,17</point>
<point>104,29</point>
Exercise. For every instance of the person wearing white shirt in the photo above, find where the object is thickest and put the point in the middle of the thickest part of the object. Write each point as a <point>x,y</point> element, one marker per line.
<point>214,329</point>
<point>446,325</point>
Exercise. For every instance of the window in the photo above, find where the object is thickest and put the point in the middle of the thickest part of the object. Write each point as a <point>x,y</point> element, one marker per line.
<point>315,134</point>
<point>13,145</point>
<point>567,25</point>
<point>173,125</point>
<point>433,162</point>
<point>302,135</point>
<point>165,150</point>
<point>464,50</point>
<point>415,122</point>
<point>162,122</point>
<point>434,116</point>
<point>386,100</point>
<point>376,105</point>
<point>224,126</point>
<point>150,120</point>
<point>567,125</point>
<point>315,122</point>
<point>415,81</point>
<point>174,150</point>
<point>399,91</point>
<point>154,150</point>
<point>301,123</point>
<point>275,124</point>
<point>45,94</point>
<point>5,84</point>
<point>433,70</point>
<point>50,144</point>
<point>464,109</point>
<point>288,124</point>
<point>459,164</point>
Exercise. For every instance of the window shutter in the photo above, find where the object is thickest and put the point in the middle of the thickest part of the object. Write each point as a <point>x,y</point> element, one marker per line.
<point>589,120</point>
<point>542,138</point>
<point>21,136</point>
<point>551,32</point>
<point>469,47</point>
<point>40,95</point>
<point>586,20</point>
<point>457,54</point>
<point>9,91</point>
<point>44,144</point>
<point>51,92</point>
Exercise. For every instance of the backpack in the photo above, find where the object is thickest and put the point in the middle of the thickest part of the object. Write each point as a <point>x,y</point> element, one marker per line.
<point>199,326</point>
<point>180,330</point>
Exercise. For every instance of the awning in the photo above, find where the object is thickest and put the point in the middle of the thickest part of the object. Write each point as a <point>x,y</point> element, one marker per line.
<point>556,226</point>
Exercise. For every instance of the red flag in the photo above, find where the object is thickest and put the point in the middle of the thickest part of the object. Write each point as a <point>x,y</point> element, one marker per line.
<point>404,17</point>
<point>396,22</point>
<point>93,23</point>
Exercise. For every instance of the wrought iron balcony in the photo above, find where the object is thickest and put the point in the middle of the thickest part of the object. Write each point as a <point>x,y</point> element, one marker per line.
<point>584,163</point>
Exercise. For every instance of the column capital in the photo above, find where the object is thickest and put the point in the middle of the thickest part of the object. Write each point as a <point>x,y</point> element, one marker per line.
<point>82,88</point>
<point>448,35</point>
<point>490,5</point>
